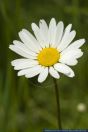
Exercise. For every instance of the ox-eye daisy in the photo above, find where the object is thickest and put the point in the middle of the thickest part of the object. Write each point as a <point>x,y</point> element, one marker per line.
<point>51,51</point>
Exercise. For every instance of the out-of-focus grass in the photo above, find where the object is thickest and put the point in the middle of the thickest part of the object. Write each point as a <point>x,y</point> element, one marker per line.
<point>25,105</point>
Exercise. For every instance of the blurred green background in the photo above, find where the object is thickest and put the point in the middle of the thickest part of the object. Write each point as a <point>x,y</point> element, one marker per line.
<point>25,105</point>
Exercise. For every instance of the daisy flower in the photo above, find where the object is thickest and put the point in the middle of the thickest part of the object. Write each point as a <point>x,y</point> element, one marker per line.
<point>51,51</point>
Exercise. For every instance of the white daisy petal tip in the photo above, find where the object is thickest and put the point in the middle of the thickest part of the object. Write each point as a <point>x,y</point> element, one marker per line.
<point>68,28</point>
<point>53,19</point>
<point>10,46</point>
<point>34,26</point>
<point>81,54</point>
<point>52,22</point>
<point>61,23</point>
<point>41,21</point>
<point>15,68</point>
<point>74,32</point>
<point>12,63</point>
<point>83,40</point>
<point>54,73</point>
<point>43,75</point>
<point>18,74</point>
<point>19,33</point>
<point>14,41</point>
<point>23,29</point>
<point>71,74</point>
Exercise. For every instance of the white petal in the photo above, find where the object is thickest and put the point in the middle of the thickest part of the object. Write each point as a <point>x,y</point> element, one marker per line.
<point>64,69</point>
<point>23,48</point>
<point>43,26</point>
<point>29,71</point>
<point>33,72</point>
<point>43,75</point>
<point>70,62</point>
<point>65,37</point>
<point>69,57</point>
<point>54,73</point>
<point>65,42</point>
<point>22,53</point>
<point>32,38</point>
<point>28,41</point>
<point>44,31</point>
<point>38,35</point>
<point>23,63</point>
<point>52,31</point>
<point>76,44</point>
<point>59,33</point>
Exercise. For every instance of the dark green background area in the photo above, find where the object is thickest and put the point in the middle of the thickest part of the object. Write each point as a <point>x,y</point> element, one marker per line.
<point>25,105</point>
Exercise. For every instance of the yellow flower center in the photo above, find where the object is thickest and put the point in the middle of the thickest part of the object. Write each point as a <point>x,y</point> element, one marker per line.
<point>48,56</point>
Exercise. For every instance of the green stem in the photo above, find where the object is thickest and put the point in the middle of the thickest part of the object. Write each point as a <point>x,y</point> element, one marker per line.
<point>58,104</point>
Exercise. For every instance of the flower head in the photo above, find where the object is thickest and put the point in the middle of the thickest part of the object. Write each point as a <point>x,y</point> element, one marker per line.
<point>51,51</point>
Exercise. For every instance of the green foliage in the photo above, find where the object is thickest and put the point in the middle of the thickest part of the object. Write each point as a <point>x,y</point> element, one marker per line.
<point>25,105</point>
